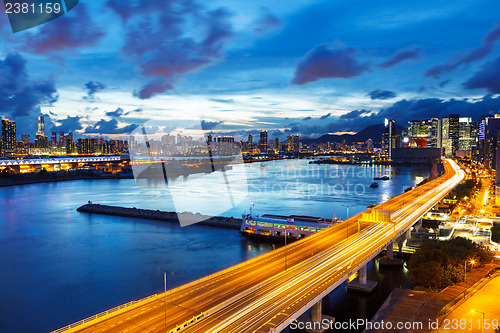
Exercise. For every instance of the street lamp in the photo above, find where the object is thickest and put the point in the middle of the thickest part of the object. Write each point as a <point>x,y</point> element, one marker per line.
<point>472,262</point>
<point>165,284</point>
<point>347,223</point>
<point>286,228</point>
<point>482,324</point>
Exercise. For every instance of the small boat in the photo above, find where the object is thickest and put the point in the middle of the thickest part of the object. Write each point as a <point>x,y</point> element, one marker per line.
<point>382,178</point>
<point>374,184</point>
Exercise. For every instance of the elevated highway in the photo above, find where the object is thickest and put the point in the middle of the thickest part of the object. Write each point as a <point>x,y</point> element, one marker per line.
<point>266,293</point>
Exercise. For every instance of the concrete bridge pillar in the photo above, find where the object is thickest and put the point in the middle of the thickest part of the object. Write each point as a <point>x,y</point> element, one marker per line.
<point>389,259</point>
<point>316,312</point>
<point>361,283</point>
<point>316,322</point>
<point>390,251</point>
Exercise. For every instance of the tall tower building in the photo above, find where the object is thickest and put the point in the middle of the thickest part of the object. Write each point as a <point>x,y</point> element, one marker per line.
<point>61,139</point>
<point>263,142</point>
<point>450,134</point>
<point>250,140</point>
<point>8,137</point>
<point>389,137</point>
<point>292,143</point>
<point>466,136</point>
<point>41,126</point>
<point>53,139</point>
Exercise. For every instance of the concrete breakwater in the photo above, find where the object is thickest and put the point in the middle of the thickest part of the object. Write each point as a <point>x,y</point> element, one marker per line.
<point>215,221</point>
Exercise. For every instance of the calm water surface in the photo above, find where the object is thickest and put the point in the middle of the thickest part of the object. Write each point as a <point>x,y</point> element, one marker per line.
<point>58,266</point>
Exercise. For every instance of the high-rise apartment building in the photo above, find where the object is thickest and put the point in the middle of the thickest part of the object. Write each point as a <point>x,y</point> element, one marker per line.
<point>389,137</point>
<point>466,134</point>
<point>424,133</point>
<point>263,142</point>
<point>53,139</point>
<point>41,126</point>
<point>292,143</point>
<point>450,134</point>
<point>8,137</point>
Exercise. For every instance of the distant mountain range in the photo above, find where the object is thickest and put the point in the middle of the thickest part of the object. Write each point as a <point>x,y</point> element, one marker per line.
<point>373,132</point>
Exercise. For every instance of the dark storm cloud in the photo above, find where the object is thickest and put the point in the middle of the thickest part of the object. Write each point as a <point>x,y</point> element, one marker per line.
<point>109,127</point>
<point>488,78</point>
<point>474,55</point>
<point>307,118</point>
<point>209,125</point>
<point>115,114</point>
<point>382,94</point>
<point>354,114</point>
<point>73,30</point>
<point>325,116</point>
<point>68,124</point>
<point>153,88</point>
<point>408,54</point>
<point>19,96</point>
<point>156,39</point>
<point>93,87</point>
<point>406,110</point>
<point>327,62</point>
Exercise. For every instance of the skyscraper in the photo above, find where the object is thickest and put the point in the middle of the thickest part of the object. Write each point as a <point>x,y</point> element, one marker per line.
<point>41,126</point>
<point>250,140</point>
<point>424,133</point>
<point>389,137</point>
<point>292,143</point>
<point>450,134</point>
<point>53,139</point>
<point>8,137</point>
<point>263,142</point>
<point>61,139</point>
<point>466,136</point>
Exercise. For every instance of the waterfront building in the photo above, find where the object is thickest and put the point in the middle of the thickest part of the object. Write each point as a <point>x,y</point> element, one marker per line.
<point>292,143</point>
<point>263,142</point>
<point>9,143</point>
<point>424,133</point>
<point>41,126</point>
<point>388,138</point>
<point>53,139</point>
<point>62,143</point>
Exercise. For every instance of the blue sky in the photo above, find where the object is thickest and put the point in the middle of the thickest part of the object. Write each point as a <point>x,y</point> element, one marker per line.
<point>292,67</point>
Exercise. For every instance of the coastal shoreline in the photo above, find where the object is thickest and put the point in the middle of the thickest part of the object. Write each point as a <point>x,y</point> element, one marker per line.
<point>61,179</point>
<point>149,214</point>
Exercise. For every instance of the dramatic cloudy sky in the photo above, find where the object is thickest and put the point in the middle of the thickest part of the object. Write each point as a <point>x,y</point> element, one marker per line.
<point>296,66</point>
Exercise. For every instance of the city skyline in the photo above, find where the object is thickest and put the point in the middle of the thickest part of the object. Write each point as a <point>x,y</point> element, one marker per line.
<point>251,67</point>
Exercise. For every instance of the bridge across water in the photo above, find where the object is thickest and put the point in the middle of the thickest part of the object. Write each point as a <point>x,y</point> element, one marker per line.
<point>266,293</point>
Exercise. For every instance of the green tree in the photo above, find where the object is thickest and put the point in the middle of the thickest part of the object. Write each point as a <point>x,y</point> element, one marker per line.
<point>495,233</point>
<point>438,264</point>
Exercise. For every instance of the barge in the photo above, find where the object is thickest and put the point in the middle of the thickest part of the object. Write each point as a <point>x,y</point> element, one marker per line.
<point>281,229</point>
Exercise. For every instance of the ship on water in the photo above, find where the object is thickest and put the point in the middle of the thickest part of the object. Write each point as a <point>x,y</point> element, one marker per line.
<point>276,228</point>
